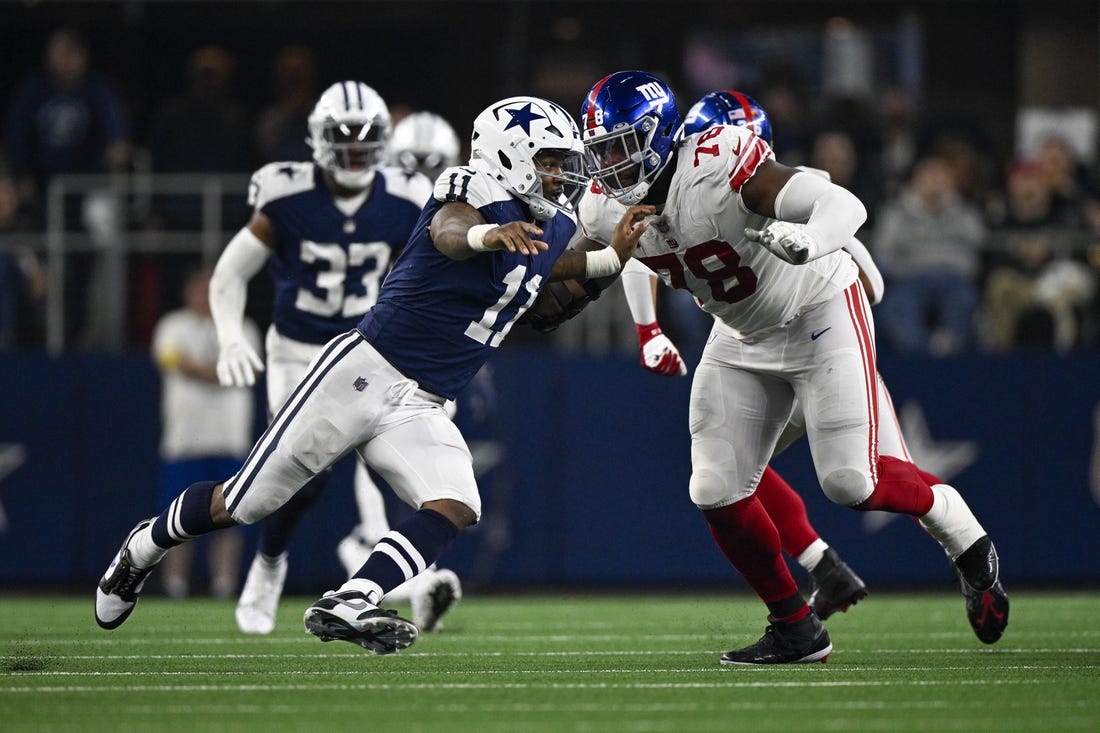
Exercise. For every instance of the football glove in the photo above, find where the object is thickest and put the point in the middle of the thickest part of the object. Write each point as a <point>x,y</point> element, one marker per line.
<point>659,354</point>
<point>788,241</point>
<point>238,364</point>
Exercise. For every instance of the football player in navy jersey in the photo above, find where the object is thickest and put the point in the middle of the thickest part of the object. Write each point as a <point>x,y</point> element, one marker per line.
<point>329,228</point>
<point>422,143</point>
<point>492,233</point>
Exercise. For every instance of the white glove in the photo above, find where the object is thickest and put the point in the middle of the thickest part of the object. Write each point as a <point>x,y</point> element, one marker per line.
<point>659,354</point>
<point>238,364</point>
<point>787,241</point>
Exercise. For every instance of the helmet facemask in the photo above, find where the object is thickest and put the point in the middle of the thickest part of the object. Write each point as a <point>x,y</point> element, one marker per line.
<point>565,168</point>
<point>352,149</point>
<point>424,142</point>
<point>623,161</point>
<point>348,131</point>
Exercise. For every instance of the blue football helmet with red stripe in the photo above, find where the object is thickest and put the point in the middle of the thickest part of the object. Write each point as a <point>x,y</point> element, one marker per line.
<point>630,127</point>
<point>728,107</point>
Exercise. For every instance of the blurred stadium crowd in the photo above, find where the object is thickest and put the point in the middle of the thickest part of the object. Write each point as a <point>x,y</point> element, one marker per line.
<point>984,249</point>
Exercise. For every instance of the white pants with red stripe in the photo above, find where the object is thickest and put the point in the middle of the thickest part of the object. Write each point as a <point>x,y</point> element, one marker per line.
<point>745,391</point>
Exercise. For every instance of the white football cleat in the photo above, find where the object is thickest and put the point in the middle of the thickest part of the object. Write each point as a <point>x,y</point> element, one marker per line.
<point>260,596</point>
<point>434,597</point>
<point>118,590</point>
<point>349,616</point>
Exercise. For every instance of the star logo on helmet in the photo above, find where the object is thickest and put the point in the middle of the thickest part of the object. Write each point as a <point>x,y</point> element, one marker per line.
<point>523,117</point>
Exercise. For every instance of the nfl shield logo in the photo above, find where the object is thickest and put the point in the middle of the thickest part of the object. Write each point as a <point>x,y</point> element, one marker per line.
<point>360,384</point>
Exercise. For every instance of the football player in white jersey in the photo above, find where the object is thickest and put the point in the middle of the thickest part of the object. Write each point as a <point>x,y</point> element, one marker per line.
<point>759,245</point>
<point>488,238</point>
<point>329,229</point>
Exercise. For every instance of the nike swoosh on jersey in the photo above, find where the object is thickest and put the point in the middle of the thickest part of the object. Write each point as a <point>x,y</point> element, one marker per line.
<point>814,336</point>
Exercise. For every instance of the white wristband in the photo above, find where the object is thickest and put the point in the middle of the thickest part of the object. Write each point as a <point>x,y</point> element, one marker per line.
<point>475,236</point>
<point>601,263</point>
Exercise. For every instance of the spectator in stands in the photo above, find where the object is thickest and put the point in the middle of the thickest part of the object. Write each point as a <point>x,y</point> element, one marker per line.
<point>897,120</point>
<point>1071,188</point>
<point>207,429</point>
<point>203,130</point>
<point>22,278</point>
<point>1019,249</point>
<point>279,125</point>
<point>928,243</point>
<point>66,118</point>
<point>1041,290</point>
<point>835,152</point>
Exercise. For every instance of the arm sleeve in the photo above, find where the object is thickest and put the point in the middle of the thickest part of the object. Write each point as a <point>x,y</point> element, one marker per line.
<point>638,286</point>
<point>867,266</point>
<point>831,214</point>
<point>243,257</point>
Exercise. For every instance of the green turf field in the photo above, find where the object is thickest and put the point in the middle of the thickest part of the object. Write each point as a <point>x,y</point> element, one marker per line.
<point>548,663</point>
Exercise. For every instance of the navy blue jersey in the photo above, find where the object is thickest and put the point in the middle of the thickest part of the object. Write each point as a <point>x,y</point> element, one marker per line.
<point>328,265</point>
<point>438,320</point>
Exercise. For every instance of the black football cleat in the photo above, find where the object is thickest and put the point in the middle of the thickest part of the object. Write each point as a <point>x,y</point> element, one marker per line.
<point>802,642</point>
<point>349,616</point>
<point>978,570</point>
<point>835,586</point>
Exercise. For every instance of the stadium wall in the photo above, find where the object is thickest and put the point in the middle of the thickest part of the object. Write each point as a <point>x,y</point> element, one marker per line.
<point>583,466</point>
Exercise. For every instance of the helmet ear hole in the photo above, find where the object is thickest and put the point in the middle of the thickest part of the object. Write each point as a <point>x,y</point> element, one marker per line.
<point>505,162</point>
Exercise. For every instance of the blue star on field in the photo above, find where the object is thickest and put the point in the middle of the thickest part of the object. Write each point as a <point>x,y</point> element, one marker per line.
<point>523,117</point>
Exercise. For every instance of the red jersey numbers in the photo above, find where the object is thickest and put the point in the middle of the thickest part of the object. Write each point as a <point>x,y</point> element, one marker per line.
<point>716,263</point>
<point>701,149</point>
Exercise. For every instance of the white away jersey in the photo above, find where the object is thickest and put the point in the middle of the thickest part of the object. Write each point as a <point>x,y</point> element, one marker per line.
<point>698,243</point>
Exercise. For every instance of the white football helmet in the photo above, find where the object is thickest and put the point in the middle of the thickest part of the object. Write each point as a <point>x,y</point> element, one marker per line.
<point>425,142</point>
<point>510,134</point>
<point>348,131</point>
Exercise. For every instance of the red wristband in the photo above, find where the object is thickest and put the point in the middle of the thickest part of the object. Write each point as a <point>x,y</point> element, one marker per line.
<point>646,331</point>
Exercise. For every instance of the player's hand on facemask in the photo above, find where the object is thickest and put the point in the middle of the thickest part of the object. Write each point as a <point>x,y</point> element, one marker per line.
<point>238,363</point>
<point>659,354</point>
<point>788,241</point>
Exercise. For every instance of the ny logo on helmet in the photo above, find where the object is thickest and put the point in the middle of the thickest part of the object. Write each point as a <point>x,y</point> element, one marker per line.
<point>652,91</point>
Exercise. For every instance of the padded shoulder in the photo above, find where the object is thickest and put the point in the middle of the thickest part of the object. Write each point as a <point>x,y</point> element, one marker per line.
<point>413,187</point>
<point>279,180</point>
<point>469,185</point>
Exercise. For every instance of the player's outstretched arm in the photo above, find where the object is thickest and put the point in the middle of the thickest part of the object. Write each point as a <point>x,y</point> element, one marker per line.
<point>586,259</point>
<point>459,231</point>
<point>244,256</point>
<point>658,354</point>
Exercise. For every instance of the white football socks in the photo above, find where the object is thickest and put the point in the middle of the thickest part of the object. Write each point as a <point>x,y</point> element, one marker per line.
<point>811,556</point>
<point>950,521</point>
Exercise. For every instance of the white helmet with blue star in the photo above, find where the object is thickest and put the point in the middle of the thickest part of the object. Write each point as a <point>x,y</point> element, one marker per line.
<point>510,134</point>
